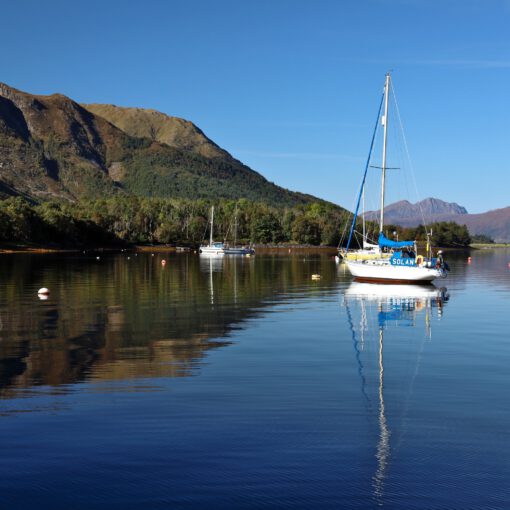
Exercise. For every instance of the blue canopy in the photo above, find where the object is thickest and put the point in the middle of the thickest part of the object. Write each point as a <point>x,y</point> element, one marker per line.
<point>387,243</point>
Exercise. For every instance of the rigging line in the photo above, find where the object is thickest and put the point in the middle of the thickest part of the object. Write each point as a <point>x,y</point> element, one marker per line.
<point>365,172</point>
<point>358,354</point>
<point>407,174</point>
<point>403,415</point>
<point>408,155</point>
<point>344,231</point>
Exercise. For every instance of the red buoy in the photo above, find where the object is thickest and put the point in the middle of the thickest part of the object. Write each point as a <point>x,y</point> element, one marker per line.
<point>163,262</point>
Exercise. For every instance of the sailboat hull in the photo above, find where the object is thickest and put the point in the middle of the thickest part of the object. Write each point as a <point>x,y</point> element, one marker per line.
<point>239,251</point>
<point>383,272</point>
<point>363,255</point>
<point>214,249</point>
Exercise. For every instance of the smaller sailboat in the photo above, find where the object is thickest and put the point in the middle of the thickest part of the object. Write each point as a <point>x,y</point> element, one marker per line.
<point>400,262</point>
<point>235,249</point>
<point>213,248</point>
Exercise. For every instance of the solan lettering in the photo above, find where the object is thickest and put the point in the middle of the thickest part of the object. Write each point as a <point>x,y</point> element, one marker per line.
<point>403,262</point>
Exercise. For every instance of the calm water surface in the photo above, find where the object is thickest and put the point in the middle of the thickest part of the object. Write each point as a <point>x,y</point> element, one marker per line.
<point>242,383</point>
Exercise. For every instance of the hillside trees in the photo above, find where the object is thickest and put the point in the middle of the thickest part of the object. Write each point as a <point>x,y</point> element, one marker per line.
<point>181,221</point>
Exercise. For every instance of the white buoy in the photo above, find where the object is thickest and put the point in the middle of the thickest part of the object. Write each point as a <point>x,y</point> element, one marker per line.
<point>97,258</point>
<point>316,277</point>
<point>43,291</point>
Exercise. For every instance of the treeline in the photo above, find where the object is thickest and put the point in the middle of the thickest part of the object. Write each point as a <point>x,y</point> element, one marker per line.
<point>181,221</point>
<point>173,221</point>
<point>445,234</point>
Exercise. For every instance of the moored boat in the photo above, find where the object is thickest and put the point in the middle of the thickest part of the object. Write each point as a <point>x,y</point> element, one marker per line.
<point>398,261</point>
<point>239,250</point>
<point>213,248</point>
<point>235,249</point>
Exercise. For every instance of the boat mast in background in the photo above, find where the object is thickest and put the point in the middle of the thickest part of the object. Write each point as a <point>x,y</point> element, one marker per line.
<point>212,224</point>
<point>212,248</point>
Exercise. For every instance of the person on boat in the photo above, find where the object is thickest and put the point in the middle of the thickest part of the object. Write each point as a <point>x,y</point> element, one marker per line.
<point>440,260</point>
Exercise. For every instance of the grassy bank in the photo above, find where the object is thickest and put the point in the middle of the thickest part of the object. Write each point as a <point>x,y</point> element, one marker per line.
<point>488,246</point>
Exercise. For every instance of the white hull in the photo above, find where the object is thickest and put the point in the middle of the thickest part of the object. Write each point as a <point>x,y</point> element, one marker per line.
<point>211,250</point>
<point>383,292</point>
<point>384,271</point>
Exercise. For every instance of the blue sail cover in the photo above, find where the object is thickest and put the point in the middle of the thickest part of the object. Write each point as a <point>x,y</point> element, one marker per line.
<point>384,242</point>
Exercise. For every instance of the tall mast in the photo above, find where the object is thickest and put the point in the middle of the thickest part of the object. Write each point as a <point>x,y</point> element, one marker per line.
<point>385,124</point>
<point>235,227</point>
<point>212,223</point>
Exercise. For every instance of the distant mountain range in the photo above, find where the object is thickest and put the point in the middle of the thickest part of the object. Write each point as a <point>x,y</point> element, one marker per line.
<point>410,215</point>
<point>53,147</point>
<point>495,223</point>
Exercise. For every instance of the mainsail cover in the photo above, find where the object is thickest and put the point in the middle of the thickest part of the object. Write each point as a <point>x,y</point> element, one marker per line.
<point>384,242</point>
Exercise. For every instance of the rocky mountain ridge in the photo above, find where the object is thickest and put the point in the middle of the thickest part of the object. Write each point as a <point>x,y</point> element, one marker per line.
<point>51,147</point>
<point>494,223</point>
<point>409,215</point>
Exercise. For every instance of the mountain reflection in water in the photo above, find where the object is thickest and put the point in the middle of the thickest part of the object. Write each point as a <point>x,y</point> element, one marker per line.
<point>125,316</point>
<point>243,383</point>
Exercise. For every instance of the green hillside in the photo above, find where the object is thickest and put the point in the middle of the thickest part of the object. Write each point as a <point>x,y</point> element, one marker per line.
<point>53,148</point>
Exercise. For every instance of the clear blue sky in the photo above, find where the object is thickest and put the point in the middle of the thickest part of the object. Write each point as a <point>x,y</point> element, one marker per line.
<point>291,87</point>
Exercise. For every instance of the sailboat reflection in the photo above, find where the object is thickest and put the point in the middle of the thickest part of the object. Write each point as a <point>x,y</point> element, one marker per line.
<point>384,305</point>
<point>211,264</point>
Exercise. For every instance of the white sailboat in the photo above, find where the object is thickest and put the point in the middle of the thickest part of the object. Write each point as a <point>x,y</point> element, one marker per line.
<point>213,248</point>
<point>398,262</point>
<point>235,249</point>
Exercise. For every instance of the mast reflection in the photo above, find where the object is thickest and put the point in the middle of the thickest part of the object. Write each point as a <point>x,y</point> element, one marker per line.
<point>379,306</point>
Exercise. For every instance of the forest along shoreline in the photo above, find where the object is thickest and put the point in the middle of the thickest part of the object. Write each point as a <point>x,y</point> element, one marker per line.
<point>284,249</point>
<point>127,222</point>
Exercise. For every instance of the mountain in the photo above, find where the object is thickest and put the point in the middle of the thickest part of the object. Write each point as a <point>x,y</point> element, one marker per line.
<point>159,127</point>
<point>495,223</point>
<point>410,215</point>
<point>53,147</point>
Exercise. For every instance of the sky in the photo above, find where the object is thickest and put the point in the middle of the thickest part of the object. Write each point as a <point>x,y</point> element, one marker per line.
<point>292,87</point>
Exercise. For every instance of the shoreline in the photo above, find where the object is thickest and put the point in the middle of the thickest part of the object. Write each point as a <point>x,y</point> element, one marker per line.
<point>32,249</point>
<point>8,249</point>
<point>489,246</point>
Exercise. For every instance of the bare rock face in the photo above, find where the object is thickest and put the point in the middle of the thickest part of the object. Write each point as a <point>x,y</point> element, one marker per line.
<point>410,215</point>
<point>173,131</point>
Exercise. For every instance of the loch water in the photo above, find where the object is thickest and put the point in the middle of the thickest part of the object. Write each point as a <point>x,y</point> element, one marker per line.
<point>237,382</point>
